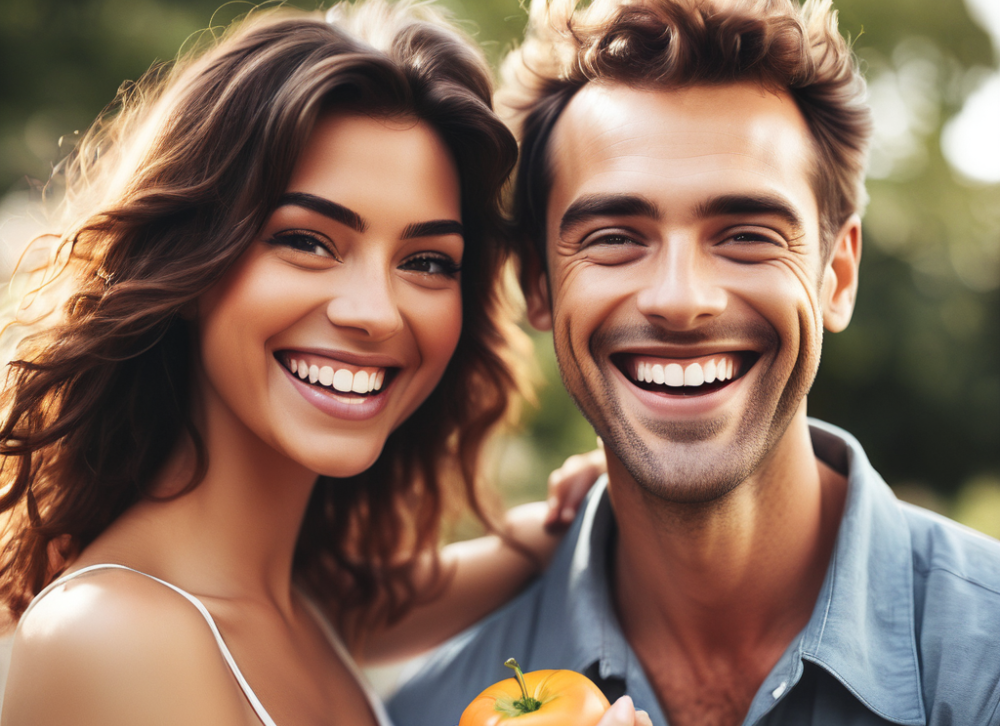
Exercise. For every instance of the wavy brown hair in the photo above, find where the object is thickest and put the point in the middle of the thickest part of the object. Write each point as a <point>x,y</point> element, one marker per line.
<point>777,44</point>
<point>178,178</point>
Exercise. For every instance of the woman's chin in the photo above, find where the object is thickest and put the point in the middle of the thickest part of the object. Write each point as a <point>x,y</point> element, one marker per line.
<point>341,464</point>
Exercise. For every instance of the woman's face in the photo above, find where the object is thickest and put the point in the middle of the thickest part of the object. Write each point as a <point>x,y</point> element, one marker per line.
<point>340,319</point>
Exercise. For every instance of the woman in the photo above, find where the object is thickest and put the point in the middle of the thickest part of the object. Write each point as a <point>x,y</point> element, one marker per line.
<point>281,351</point>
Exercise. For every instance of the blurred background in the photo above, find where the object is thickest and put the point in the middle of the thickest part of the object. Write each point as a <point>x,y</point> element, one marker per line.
<point>916,377</point>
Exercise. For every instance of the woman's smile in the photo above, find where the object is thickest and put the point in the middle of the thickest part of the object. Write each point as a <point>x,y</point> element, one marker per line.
<point>354,391</point>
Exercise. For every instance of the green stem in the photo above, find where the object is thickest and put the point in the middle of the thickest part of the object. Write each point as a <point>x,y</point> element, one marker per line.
<point>525,704</point>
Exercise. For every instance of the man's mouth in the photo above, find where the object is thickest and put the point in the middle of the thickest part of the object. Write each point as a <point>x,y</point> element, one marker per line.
<point>685,376</point>
<point>350,382</point>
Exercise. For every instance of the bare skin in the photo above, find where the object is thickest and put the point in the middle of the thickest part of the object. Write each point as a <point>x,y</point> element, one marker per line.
<point>119,648</point>
<point>683,229</point>
<point>712,605</point>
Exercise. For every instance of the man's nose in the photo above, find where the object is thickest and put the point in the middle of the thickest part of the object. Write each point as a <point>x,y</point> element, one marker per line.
<point>682,291</point>
<point>366,302</point>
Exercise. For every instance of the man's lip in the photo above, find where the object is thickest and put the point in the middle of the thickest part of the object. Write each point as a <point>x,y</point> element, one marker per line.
<point>684,375</point>
<point>687,352</point>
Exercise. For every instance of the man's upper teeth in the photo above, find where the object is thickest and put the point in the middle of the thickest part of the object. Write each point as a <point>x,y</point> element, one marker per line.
<point>692,374</point>
<point>340,379</point>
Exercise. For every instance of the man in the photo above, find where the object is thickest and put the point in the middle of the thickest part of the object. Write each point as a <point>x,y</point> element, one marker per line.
<point>690,190</point>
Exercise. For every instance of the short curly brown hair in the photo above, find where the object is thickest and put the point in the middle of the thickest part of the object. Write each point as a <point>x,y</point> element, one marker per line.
<point>674,43</point>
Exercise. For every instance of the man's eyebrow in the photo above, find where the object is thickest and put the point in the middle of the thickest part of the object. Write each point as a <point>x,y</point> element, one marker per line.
<point>435,228</point>
<point>336,212</point>
<point>607,205</point>
<point>742,204</point>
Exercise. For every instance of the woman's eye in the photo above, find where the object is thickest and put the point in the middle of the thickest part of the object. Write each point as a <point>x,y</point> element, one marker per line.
<point>432,265</point>
<point>303,242</point>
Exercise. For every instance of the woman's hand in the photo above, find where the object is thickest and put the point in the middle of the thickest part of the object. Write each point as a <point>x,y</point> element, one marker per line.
<point>569,484</point>
<point>624,713</point>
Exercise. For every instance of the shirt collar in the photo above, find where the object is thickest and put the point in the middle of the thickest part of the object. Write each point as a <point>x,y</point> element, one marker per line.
<point>862,628</point>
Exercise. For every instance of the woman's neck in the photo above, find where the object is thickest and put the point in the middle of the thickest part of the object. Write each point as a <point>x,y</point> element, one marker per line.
<point>233,535</point>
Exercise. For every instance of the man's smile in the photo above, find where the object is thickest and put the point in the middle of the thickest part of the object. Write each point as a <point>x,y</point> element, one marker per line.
<point>684,376</point>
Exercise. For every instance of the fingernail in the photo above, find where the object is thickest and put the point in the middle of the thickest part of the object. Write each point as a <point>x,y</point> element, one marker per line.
<point>552,502</point>
<point>568,515</point>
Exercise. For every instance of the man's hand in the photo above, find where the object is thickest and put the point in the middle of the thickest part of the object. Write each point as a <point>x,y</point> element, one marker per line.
<point>623,713</point>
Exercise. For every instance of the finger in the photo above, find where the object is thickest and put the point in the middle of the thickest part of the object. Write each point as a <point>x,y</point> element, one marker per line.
<point>575,490</point>
<point>578,468</point>
<point>568,486</point>
<point>621,713</point>
<point>642,719</point>
<point>552,514</point>
<point>586,470</point>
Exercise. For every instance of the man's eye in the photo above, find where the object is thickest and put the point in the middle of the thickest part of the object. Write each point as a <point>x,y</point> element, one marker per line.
<point>612,239</point>
<point>432,265</point>
<point>753,238</point>
<point>303,242</point>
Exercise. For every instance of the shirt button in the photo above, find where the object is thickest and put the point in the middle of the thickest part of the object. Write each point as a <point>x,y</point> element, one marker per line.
<point>776,693</point>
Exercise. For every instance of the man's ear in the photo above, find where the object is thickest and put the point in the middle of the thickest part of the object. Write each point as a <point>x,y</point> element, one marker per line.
<point>840,276</point>
<point>535,282</point>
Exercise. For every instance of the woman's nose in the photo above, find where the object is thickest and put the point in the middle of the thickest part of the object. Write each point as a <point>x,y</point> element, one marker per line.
<point>366,302</point>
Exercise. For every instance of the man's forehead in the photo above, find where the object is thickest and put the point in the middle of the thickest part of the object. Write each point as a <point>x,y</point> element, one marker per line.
<point>615,108</point>
<point>688,139</point>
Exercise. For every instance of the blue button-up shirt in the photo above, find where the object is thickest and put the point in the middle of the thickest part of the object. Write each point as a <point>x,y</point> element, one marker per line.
<point>906,628</point>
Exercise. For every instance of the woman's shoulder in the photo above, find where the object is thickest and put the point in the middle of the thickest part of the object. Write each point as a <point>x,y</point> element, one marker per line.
<point>114,646</point>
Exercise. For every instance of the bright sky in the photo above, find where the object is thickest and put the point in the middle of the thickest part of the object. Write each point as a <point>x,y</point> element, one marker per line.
<point>971,140</point>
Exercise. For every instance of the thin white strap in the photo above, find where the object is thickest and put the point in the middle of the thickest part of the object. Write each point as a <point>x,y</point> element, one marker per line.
<point>255,703</point>
<point>378,708</point>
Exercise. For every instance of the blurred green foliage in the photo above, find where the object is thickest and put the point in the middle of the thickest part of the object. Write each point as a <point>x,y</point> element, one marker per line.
<point>916,377</point>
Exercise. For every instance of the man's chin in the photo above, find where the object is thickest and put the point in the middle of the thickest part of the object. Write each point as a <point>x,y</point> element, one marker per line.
<point>689,463</point>
<point>688,432</point>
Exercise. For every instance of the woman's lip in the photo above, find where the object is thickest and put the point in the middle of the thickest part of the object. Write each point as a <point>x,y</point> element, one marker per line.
<point>328,403</point>
<point>361,360</point>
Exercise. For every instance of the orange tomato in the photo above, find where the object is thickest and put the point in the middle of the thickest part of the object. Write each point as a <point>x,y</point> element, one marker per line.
<point>546,698</point>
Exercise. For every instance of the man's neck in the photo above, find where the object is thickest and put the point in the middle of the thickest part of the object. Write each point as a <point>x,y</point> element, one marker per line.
<point>710,595</point>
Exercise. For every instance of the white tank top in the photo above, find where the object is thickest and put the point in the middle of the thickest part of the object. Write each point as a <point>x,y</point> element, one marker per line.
<point>381,716</point>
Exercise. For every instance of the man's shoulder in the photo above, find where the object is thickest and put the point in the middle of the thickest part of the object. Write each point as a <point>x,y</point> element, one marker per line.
<point>463,667</point>
<point>956,583</point>
<point>952,555</point>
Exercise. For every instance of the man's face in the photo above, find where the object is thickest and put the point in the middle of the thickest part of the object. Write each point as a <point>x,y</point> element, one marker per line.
<point>686,288</point>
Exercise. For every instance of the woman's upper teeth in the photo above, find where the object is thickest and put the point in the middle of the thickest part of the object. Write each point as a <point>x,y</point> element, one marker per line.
<point>344,380</point>
<point>695,373</point>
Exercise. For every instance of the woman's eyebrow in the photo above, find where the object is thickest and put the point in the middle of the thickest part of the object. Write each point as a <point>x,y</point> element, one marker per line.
<point>435,228</point>
<point>336,212</point>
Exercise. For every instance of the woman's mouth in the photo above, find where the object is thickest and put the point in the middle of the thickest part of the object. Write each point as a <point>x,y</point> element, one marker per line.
<point>349,383</point>
<point>685,376</point>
